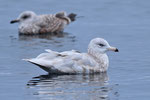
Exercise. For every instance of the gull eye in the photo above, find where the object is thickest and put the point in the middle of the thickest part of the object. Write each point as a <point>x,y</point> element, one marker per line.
<point>25,16</point>
<point>101,45</point>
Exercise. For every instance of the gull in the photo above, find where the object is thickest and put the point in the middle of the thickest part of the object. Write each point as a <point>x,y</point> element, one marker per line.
<point>31,23</point>
<point>74,62</point>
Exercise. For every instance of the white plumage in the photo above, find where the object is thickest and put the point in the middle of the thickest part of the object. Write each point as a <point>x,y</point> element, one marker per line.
<point>30,23</point>
<point>74,62</point>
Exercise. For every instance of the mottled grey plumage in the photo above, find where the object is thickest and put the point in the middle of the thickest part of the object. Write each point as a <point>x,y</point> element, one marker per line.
<point>74,62</point>
<point>30,23</point>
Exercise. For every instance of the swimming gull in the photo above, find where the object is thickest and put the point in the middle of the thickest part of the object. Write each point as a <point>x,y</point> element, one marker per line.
<point>30,23</point>
<point>74,62</point>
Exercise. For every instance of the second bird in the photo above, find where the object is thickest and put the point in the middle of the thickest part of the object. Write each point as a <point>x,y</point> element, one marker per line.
<point>30,23</point>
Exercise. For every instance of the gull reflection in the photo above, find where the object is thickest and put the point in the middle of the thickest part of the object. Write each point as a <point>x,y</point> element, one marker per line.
<point>73,87</point>
<point>32,42</point>
<point>44,36</point>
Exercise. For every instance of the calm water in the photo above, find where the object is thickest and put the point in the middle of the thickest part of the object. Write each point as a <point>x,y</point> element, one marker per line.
<point>124,23</point>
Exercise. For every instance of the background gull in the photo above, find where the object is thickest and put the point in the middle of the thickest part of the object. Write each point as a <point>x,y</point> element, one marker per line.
<point>74,62</point>
<point>30,23</point>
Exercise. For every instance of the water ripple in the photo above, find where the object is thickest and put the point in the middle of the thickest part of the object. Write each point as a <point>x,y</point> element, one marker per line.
<point>73,87</point>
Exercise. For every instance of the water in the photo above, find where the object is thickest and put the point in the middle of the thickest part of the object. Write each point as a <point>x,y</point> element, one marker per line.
<point>125,24</point>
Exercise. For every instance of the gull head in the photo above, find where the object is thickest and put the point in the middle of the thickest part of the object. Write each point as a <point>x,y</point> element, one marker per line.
<point>24,16</point>
<point>100,46</point>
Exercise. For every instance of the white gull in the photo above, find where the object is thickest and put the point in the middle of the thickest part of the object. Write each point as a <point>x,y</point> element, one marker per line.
<point>74,62</point>
<point>30,23</point>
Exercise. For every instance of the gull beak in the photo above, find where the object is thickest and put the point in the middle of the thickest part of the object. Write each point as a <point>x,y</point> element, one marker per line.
<point>113,49</point>
<point>14,21</point>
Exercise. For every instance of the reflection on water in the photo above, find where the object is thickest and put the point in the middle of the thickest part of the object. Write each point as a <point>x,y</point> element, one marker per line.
<point>45,36</point>
<point>44,40</point>
<point>72,87</point>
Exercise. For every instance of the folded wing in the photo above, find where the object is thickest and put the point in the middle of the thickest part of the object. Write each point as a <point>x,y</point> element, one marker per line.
<point>64,62</point>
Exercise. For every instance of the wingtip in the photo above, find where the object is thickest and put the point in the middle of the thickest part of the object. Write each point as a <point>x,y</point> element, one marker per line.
<point>72,16</point>
<point>26,60</point>
<point>48,50</point>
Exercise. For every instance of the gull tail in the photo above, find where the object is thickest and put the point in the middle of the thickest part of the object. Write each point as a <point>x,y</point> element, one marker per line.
<point>72,16</point>
<point>50,70</point>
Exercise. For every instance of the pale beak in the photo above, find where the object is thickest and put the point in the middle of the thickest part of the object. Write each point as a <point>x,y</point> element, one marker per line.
<point>14,21</point>
<point>113,49</point>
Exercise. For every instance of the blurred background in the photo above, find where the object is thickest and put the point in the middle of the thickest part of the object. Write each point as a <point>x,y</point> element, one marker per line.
<point>125,24</point>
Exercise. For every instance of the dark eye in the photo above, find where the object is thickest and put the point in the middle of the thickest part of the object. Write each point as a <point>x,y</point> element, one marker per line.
<point>101,45</point>
<point>25,16</point>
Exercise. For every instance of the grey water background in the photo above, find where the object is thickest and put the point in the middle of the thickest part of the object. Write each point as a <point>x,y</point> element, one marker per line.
<point>125,24</point>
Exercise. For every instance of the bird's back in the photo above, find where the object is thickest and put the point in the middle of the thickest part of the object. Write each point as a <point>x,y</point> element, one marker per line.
<point>50,23</point>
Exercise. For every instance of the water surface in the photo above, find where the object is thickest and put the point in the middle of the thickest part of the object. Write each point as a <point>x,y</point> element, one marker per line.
<point>125,24</point>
